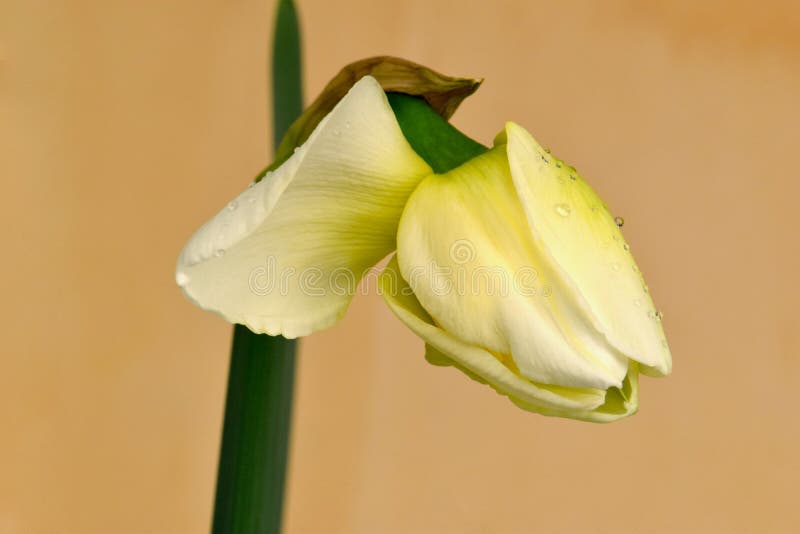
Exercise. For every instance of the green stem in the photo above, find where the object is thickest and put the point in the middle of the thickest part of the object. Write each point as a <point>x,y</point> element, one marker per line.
<point>255,435</point>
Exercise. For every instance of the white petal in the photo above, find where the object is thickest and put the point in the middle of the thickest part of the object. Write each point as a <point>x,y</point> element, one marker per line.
<point>480,364</point>
<point>284,257</point>
<point>466,227</point>
<point>573,225</point>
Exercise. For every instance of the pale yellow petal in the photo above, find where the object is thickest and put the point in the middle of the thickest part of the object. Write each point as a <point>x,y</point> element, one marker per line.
<point>619,402</point>
<point>284,256</point>
<point>570,222</point>
<point>465,248</point>
<point>480,364</point>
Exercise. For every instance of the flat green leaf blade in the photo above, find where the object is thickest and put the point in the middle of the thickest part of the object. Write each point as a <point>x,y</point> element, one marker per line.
<point>255,436</point>
<point>287,86</point>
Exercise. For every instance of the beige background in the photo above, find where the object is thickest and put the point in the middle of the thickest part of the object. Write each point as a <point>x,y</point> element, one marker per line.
<point>126,124</point>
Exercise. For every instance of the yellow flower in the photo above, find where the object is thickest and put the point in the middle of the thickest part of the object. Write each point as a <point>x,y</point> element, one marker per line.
<point>541,297</point>
<point>509,267</point>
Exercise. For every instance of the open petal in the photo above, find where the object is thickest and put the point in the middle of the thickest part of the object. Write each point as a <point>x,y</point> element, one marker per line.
<point>465,248</point>
<point>574,226</point>
<point>284,256</point>
<point>446,349</point>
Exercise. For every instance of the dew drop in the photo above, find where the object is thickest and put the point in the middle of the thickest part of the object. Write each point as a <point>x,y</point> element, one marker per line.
<point>637,303</point>
<point>219,253</point>
<point>182,279</point>
<point>619,221</point>
<point>233,205</point>
<point>626,247</point>
<point>563,209</point>
<point>547,150</point>
<point>615,267</point>
<point>659,315</point>
<point>545,159</point>
<point>572,177</point>
<point>646,288</point>
<point>296,148</point>
<point>558,165</point>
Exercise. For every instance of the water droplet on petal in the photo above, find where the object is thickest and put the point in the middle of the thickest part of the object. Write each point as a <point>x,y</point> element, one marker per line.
<point>619,221</point>
<point>296,148</point>
<point>615,267</point>
<point>637,302</point>
<point>182,279</point>
<point>563,209</point>
<point>233,205</point>
<point>659,315</point>
<point>558,165</point>
<point>646,288</point>
<point>219,253</point>
<point>626,247</point>
<point>572,177</point>
<point>547,150</point>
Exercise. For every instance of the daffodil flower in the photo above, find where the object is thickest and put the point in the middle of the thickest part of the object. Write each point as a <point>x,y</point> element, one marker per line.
<point>509,267</point>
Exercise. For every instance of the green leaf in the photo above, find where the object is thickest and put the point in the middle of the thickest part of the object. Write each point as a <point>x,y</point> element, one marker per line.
<point>255,437</point>
<point>252,464</point>
<point>287,84</point>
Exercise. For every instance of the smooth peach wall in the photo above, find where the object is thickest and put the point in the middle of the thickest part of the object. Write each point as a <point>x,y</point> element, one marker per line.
<point>124,125</point>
